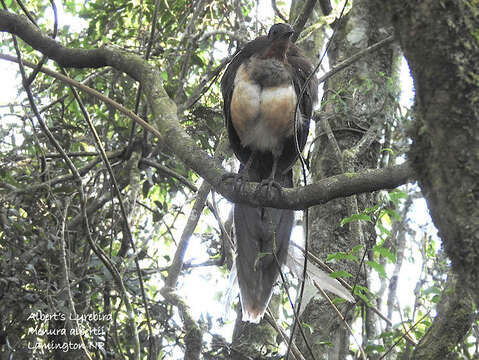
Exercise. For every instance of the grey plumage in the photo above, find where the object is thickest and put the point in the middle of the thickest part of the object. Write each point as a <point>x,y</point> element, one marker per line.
<point>262,236</point>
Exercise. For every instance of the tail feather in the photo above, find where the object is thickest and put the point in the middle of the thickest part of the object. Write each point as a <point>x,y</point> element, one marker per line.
<point>262,240</point>
<point>315,275</point>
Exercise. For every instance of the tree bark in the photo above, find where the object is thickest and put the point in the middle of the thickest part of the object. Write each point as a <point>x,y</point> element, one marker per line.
<point>455,315</point>
<point>254,341</point>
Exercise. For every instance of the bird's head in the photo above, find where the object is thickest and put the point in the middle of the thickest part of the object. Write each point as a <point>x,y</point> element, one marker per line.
<point>280,31</point>
<point>278,36</point>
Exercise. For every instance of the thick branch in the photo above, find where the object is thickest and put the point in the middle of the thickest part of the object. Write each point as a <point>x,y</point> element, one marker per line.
<point>455,313</point>
<point>330,188</point>
<point>167,127</point>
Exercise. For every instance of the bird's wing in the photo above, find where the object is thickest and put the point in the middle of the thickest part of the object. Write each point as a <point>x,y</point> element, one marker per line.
<point>301,69</point>
<point>227,89</point>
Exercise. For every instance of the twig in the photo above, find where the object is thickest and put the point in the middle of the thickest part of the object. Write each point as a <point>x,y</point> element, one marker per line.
<point>277,11</point>
<point>44,59</point>
<point>189,47</point>
<point>220,223</point>
<point>193,218</point>
<point>404,335</point>
<point>139,90</point>
<point>169,172</point>
<point>67,278</point>
<point>302,18</point>
<point>343,64</point>
<point>332,139</point>
<point>272,321</point>
<point>177,263</point>
<point>204,85</point>
<point>363,355</point>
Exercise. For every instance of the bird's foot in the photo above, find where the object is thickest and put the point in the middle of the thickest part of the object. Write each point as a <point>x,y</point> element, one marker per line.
<point>269,183</point>
<point>238,179</point>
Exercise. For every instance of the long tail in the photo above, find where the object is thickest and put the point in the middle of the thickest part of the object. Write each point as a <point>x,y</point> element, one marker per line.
<point>261,235</point>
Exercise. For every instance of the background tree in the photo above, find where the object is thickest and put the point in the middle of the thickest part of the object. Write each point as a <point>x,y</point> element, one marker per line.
<point>105,213</point>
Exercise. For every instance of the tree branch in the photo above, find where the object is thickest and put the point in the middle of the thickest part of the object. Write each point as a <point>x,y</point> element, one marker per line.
<point>344,64</point>
<point>277,11</point>
<point>334,187</point>
<point>302,18</point>
<point>455,314</point>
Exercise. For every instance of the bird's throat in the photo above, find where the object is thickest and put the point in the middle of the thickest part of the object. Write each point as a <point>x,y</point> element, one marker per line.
<point>277,50</point>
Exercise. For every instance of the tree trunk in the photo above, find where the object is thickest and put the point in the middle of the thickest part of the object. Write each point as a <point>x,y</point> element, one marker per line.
<point>439,40</point>
<point>254,341</point>
<point>354,100</point>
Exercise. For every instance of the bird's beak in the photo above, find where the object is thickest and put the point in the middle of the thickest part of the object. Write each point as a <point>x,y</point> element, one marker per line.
<point>288,33</point>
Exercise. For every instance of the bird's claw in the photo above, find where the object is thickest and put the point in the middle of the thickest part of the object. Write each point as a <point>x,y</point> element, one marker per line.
<point>238,180</point>
<point>269,183</point>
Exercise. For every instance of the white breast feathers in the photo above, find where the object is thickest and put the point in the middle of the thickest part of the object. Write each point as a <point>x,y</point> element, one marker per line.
<point>262,117</point>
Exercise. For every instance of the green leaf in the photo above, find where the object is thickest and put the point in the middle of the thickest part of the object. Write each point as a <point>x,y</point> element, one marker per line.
<point>391,213</point>
<point>385,218</point>
<point>309,327</point>
<point>355,217</point>
<point>338,300</point>
<point>371,210</point>
<point>363,297</point>
<point>383,230</point>
<point>373,348</point>
<point>196,60</point>
<point>340,274</point>
<point>384,252</point>
<point>432,290</point>
<point>361,291</point>
<point>324,343</point>
<point>378,267</point>
<point>356,249</point>
<point>397,195</point>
